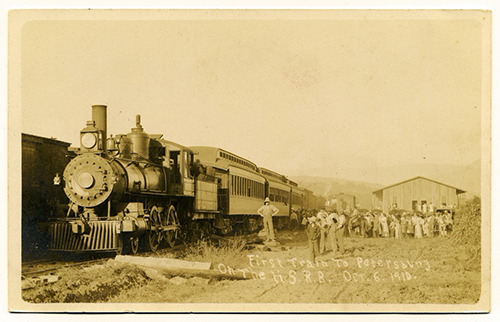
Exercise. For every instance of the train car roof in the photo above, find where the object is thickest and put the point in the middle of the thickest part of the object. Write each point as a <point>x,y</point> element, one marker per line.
<point>221,158</point>
<point>299,189</point>
<point>274,176</point>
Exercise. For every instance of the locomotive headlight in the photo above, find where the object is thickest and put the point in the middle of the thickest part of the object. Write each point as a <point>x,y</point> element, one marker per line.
<point>89,140</point>
<point>85,180</point>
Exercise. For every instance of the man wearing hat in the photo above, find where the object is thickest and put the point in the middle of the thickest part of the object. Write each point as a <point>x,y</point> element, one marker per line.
<point>313,231</point>
<point>322,223</point>
<point>339,233</point>
<point>267,212</point>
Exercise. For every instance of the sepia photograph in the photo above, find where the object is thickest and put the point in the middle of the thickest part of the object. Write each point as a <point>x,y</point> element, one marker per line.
<point>249,160</point>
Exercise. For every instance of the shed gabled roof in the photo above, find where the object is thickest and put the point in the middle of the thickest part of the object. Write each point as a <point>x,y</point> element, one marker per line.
<point>459,191</point>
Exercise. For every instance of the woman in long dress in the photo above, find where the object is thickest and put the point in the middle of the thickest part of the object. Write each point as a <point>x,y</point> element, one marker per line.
<point>418,227</point>
<point>398,231</point>
<point>385,227</point>
<point>426,227</point>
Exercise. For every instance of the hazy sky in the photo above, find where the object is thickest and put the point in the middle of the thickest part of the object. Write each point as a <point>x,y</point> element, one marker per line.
<point>289,95</point>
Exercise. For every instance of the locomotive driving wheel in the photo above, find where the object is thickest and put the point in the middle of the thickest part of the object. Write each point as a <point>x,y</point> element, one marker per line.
<point>154,233</point>
<point>171,233</point>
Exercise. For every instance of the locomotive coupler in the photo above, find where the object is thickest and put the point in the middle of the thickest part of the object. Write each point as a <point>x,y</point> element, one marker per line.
<point>79,227</point>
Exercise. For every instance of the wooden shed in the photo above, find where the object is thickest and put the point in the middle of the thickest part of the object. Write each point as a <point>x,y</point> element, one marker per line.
<point>417,193</point>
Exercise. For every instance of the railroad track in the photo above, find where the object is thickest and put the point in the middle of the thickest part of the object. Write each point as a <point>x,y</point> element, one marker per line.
<point>51,265</point>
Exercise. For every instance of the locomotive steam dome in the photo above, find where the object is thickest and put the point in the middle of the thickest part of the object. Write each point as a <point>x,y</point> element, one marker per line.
<point>88,180</point>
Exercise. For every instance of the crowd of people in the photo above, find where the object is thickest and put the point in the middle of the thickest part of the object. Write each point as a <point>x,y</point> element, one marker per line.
<point>401,224</point>
<point>322,227</point>
<point>327,229</point>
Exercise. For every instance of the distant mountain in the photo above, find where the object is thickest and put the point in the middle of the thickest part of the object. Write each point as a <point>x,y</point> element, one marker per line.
<point>322,186</point>
<point>468,178</point>
<point>360,182</point>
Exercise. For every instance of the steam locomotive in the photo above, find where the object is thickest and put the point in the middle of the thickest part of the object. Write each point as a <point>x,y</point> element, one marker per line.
<point>138,190</point>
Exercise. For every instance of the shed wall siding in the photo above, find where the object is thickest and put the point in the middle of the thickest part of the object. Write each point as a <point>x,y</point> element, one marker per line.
<point>418,189</point>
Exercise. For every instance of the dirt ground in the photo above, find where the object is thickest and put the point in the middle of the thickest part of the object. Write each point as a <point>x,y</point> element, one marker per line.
<point>383,270</point>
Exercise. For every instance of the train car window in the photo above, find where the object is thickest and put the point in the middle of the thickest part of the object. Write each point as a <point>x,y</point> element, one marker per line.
<point>285,196</point>
<point>185,166</point>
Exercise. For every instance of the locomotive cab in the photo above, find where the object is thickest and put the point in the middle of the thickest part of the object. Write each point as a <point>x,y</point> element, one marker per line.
<point>178,161</point>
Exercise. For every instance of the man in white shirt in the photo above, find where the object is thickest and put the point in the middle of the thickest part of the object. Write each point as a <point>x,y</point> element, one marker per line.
<point>267,212</point>
<point>339,233</point>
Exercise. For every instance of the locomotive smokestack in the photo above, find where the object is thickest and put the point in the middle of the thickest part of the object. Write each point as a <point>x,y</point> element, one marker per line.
<point>99,117</point>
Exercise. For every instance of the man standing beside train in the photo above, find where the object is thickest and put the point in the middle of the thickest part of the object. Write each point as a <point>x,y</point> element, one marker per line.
<point>339,233</point>
<point>267,212</point>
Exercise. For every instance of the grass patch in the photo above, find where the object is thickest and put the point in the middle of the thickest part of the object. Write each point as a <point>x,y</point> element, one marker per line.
<point>228,251</point>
